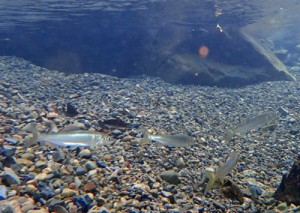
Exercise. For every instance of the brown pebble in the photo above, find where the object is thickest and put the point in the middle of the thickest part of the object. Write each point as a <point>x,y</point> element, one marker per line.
<point>107,157</point>
<point>68,193</point>
<point>89,186</point>
<point>52,115</point>
<point>24,162</point>
<point>72,185</point>
<point>72,208</point>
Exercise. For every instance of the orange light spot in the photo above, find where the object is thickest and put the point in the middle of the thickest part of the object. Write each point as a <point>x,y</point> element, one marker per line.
<point>203,51</point>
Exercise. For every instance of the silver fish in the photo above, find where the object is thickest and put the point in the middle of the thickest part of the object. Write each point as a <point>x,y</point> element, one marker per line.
<point>254,123</point>
<point>221,172</point>
<point>178,140</point>
<point>78,138</point>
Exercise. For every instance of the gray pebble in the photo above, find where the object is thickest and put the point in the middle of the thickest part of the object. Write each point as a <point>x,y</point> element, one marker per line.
<point>3,192</point>
<point>10,177</point>
<point>179,163</point>
<point>170,177</point>
<point>116,132</point>
<point>6,208</point>
<point>59,209</point>
<point>58,156</point>
<point>103,210</point>
<point>41,164</point>
<point>85,153</point>
<point>219,205</point>
<point>80,170</point>
<point>100,201</point>
<point>90,165</point>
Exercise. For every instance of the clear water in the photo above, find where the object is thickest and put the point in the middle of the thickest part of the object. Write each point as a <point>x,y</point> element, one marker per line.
<point>115,36</point>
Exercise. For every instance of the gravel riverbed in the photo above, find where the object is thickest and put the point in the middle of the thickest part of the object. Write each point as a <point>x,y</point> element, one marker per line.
<point>128,175</point>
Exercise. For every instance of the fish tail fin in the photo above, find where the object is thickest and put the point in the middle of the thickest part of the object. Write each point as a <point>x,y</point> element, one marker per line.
<point>228,135</point>
<point>145,139</point>
<point>35,134</point>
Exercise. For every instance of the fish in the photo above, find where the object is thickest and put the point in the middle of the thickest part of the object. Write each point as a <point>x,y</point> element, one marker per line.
<point>73,138</point>
<point>221,172</point>
<point>253,123</point>
<point>178,140</point>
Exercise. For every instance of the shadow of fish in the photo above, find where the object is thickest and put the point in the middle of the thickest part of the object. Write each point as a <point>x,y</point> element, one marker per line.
<point>254,123</point>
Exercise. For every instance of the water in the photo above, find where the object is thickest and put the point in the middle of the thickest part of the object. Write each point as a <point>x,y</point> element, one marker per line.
<point>125,38</point>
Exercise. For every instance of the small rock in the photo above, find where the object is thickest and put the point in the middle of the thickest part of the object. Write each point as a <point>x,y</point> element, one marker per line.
<point>77,182</point>
<point>90,165</point>
<point>116,132</point>
<point>101,164</point>
<point>60,209</point>
<point>103,210</point>
<point>10,177</point>
<point>12,141</point>
<point>31,189</point>
<point>294,131</point>
<point>179,163</point>
<point>283,111</point>
<point>107,157</point>
<point>81,203</point>
<point>3,193</point>
<point>58,156</point>
<point>80,170</point>
<point>54,202</point>
<point>218,205</point>
<point>68,193</point>
<point>6,208</point>
<point>85,153</point>
<point>282,206</point>
<point>170,177</point>
<point>24,162</point>
<point>8,151</point>
<point>89,197</point>
<point>89,186</point>
<point>41,164</point>
<point>46,191</point>
<point>28,156</point>
<point>100,201</point>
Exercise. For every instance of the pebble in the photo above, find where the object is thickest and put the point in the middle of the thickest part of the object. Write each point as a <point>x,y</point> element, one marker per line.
<point>60,209</point>
<point>28,156</point>
<point>80,170</point>
<point>180,163</point>
<point>90,165</point>
<point>77,182</point>
<point>219,205</point>
<point>10,177</point>
<point>103,210</point>
<point>45,191</point>
<point>3,192</point>
<point>7,150</point>
<point>12,141</point>
<point>68,193</point>
<point>101,164</point>
<point>89,186</point>
<point>100,201</point>
<point>58,156</point>
<point>41,164</point>
<point>170,177</point>
<point>282,206</point>
<point>85,153</point>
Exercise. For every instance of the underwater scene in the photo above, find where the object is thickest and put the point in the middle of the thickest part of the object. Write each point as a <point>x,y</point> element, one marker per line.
<point>144,106</point>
